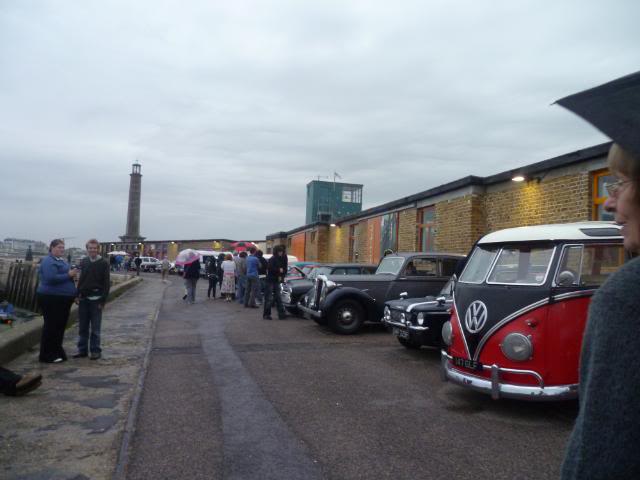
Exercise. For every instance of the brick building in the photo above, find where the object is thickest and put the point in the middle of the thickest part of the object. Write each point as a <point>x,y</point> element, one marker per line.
<point>451,217</point>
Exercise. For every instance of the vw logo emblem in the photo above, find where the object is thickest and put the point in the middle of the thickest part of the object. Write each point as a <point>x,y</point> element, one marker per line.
<point>476,316</point>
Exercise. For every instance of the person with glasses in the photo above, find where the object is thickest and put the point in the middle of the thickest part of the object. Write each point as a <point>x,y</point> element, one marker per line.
<point>606,437</point>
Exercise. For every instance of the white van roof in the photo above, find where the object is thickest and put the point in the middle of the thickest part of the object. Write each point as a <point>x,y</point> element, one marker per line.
<point>559,231</point>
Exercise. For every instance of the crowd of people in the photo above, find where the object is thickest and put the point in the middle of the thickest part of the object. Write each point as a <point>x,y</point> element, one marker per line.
<point>247,278</point>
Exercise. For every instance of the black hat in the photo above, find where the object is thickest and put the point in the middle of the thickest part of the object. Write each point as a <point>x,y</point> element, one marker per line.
<point>613,108</point>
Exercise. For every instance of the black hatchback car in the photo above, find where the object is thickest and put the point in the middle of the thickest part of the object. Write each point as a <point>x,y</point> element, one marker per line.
<point>293,290</point>
<point>418,321</point>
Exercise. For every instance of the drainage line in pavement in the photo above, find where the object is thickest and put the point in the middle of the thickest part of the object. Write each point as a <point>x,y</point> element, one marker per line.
<point>130,426</point>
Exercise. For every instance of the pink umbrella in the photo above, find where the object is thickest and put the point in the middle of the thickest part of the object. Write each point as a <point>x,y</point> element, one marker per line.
<point>242,246</point>
<point>187,257</point>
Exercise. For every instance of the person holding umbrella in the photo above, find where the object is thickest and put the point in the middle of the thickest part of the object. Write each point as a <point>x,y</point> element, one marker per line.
<point>606,437</point>
<point>190,259</point>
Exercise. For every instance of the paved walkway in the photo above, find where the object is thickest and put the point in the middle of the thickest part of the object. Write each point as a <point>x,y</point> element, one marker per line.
<point>71,427</point>
<point>202,414</point>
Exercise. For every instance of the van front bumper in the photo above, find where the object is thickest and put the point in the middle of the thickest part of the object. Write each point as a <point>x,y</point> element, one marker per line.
<point>497,389</point>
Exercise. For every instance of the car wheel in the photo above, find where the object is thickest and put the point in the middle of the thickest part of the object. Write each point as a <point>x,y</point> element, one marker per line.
<point>346,317</point>
<point>320,321</point>
<point>409,343</point>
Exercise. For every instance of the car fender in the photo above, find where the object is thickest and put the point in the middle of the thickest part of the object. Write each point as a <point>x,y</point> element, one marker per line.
<point>361,296</point>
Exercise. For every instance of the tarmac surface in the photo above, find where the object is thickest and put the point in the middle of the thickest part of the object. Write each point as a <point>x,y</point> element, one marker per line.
<point>229,395</point>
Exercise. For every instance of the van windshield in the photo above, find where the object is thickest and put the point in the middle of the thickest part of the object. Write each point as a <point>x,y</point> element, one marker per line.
<point>479,264</point>
<point>522,265</point>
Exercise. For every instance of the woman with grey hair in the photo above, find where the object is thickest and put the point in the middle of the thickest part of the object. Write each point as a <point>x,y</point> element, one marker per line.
<point>605,440</point>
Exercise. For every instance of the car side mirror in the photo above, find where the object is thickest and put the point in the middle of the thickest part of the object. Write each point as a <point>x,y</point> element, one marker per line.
<point>441,300</point>
<point>566,278</point>
<point>404,295</point>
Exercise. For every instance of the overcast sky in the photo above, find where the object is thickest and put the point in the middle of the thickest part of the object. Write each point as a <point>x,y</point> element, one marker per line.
<point>233,107</point>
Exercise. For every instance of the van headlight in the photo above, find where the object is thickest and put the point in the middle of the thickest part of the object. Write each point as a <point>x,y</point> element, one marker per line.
<point>517,347</point>
<point>420,318</point>
<point>447,333</point>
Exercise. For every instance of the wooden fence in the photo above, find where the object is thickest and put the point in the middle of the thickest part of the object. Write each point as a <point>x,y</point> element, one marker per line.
<point>22,283</point>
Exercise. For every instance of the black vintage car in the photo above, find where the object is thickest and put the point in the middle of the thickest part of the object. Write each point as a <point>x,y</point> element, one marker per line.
<point>345,302</point>
<point>293,290</point>
<point>418,321</point>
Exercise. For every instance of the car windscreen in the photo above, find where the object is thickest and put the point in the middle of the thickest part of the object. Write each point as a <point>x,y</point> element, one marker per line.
<point>390,265</point>
<point>320,271</point>
<point>522,265</point>
<point>479,264</point>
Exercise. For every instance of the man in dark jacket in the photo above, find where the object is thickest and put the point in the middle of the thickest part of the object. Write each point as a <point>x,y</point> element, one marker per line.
<point>191,276</point>
<point>276,271</point>
<point>137,261</point>
<point>262,274</point>
<point>93,290</point>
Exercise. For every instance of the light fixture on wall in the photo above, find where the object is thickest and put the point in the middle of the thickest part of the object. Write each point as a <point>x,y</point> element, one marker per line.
<point>518,178</point>
<point>333,225</point>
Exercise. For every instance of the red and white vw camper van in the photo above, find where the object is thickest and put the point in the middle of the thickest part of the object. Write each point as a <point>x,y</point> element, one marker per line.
<point>520,308</point>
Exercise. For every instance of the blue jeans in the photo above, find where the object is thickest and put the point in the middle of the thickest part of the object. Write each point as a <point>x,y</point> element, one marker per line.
<point>251,291</point>
<point>242,285</point>
<point>89,319</point>
<point>190,285</point>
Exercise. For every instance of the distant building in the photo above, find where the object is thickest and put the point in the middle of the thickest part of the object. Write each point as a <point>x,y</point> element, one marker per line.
<point>21,245</point>
<point>327,201</point>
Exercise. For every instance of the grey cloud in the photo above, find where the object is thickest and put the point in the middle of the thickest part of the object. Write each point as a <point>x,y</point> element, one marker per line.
<point>232,107</point>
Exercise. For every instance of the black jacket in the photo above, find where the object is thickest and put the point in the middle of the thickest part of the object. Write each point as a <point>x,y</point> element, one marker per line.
<point>94,279</point>
<point>274,266</point>
<point>192,270</point>
<point>262,268</point>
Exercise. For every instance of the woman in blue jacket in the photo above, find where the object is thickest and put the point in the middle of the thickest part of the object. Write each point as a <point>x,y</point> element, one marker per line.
<point>56,293</point>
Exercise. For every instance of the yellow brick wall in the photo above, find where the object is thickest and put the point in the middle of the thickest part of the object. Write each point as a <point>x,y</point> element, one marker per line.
<point>558,200</point>
<point>338,250</point>
<point>407,231</point>
<point>459,223</point>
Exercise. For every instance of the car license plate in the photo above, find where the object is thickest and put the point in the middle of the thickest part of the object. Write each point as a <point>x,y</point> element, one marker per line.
<point>398,332</point>
<point>466,363</point>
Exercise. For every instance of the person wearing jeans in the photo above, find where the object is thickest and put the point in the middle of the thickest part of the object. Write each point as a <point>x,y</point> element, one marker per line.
<point>191,276</point>
<point>252,279</point>
<point>93,290</point>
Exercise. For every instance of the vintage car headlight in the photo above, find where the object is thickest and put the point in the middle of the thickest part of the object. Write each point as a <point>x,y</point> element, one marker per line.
<point>447,333</point>
<point>517,347</point>
<point>420,318</point>
<point>387,313</point>
<point>403,317</point>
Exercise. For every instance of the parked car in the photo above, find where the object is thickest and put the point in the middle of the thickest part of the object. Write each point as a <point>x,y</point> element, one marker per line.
<point>418,321</point>
<point>345,302</point>
<point>294,289</point>
<point>521,306</point>
<point>150,264</point>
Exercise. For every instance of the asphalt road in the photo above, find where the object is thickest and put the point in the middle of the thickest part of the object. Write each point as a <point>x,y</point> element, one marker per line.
<point>229,395</point>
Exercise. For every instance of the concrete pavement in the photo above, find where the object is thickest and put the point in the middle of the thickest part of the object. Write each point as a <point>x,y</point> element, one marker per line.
<point>229,395</point>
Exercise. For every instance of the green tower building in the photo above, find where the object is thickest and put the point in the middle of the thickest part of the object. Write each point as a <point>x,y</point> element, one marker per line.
<point>328,201</point>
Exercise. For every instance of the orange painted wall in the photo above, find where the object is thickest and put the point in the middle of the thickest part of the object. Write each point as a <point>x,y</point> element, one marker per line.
<point>297,245</point>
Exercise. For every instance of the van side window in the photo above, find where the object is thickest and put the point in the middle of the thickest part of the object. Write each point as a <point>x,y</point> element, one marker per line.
<point>589,265</point>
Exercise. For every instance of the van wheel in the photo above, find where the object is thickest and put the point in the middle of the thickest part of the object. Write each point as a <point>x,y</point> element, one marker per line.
<point>408,343</point>
<point>346,317</point>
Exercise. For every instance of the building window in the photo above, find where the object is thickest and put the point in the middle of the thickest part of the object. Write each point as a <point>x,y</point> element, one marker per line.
<point>426,224</point>
<point>599,195</point>
<point>352,243</point>
<point>352,194</point>
<point>289,242</point>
